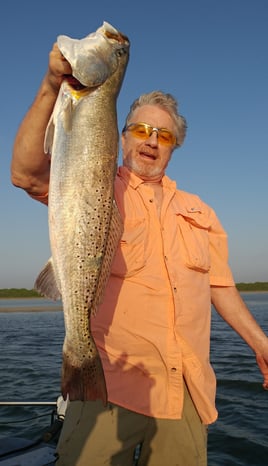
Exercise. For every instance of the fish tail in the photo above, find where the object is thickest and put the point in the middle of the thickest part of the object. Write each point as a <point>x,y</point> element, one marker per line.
<point>84,383</point>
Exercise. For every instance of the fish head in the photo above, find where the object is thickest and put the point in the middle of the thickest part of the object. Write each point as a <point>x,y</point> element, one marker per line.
<point>96,57</point>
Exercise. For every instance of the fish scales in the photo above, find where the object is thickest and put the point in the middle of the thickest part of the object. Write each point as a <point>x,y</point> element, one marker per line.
<point>84,223</point>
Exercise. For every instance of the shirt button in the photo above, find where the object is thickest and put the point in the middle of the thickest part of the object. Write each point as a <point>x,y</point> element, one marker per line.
<point>151,200</point>
<point>173,369</point>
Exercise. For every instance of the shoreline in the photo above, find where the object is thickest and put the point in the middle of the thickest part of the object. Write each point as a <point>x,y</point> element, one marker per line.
<point>31,309</point>
<point>55,306</point>
<point>40,307</point>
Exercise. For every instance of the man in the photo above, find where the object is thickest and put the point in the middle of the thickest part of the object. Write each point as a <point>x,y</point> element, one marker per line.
<point>152,329</point>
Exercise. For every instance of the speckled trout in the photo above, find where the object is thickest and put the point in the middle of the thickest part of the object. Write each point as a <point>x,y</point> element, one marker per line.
<point>84,223</point>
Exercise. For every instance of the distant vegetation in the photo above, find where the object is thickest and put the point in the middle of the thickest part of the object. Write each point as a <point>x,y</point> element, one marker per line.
<point>24,293</point>
<point>257,286</point>
<point>18,293</point>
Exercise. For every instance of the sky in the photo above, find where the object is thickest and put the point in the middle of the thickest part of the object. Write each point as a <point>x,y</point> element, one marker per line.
<point>210,54</point>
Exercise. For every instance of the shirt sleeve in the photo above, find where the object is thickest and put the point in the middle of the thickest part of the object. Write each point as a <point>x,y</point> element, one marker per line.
<point>220,272</point>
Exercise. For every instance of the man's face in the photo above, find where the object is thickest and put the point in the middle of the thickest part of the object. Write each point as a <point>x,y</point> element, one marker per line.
<point>148,158</point>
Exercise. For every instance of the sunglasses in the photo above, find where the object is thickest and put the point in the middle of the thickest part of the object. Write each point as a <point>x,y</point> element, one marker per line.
<point>144,131</point>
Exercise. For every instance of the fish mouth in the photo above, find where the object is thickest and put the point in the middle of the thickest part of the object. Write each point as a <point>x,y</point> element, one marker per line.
<point>74,83</point>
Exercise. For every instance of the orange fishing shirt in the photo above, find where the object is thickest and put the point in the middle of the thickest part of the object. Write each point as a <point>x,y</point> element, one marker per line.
<point>153,326</point>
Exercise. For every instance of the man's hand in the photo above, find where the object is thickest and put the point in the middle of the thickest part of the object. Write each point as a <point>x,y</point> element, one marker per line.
<point>58,68</point>
<point>262,362</point>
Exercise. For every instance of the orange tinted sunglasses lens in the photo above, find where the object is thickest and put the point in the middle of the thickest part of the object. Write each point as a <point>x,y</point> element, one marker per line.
<point>144,131</point>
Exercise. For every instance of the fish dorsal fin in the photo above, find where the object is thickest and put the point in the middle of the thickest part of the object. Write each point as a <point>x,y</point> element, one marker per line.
<point>114,236</point>
<point>46,284</point>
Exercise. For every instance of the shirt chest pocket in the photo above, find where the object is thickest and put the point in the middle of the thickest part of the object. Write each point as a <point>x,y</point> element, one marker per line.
<point>194,242</point>
<point>130,255</point>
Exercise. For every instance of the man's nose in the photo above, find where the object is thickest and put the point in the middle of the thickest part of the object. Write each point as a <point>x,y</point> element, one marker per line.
<point>153,139</point>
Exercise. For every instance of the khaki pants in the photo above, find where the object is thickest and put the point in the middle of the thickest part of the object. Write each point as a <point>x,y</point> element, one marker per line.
<point>96,436</point>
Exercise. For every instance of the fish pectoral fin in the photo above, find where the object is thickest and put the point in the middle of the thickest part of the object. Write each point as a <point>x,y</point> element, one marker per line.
<point>46,283</point>
<point>49,136</point>
<point>64,109</point>
<point>67,115</point>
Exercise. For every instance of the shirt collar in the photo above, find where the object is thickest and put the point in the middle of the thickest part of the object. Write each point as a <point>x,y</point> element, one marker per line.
<point>134,181</point>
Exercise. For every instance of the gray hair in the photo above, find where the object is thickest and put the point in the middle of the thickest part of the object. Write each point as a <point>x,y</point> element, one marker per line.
<point>166,102</point>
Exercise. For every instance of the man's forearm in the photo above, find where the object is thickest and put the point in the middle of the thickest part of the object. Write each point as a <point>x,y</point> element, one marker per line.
<point>231,307</point>
<point>30,165</point>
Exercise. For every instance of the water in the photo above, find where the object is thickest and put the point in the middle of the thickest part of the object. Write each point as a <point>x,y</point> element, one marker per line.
<point>239,437</point>
<point>30,364</point>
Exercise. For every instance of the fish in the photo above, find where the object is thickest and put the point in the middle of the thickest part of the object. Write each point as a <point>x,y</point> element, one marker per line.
<point>85,225</point>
